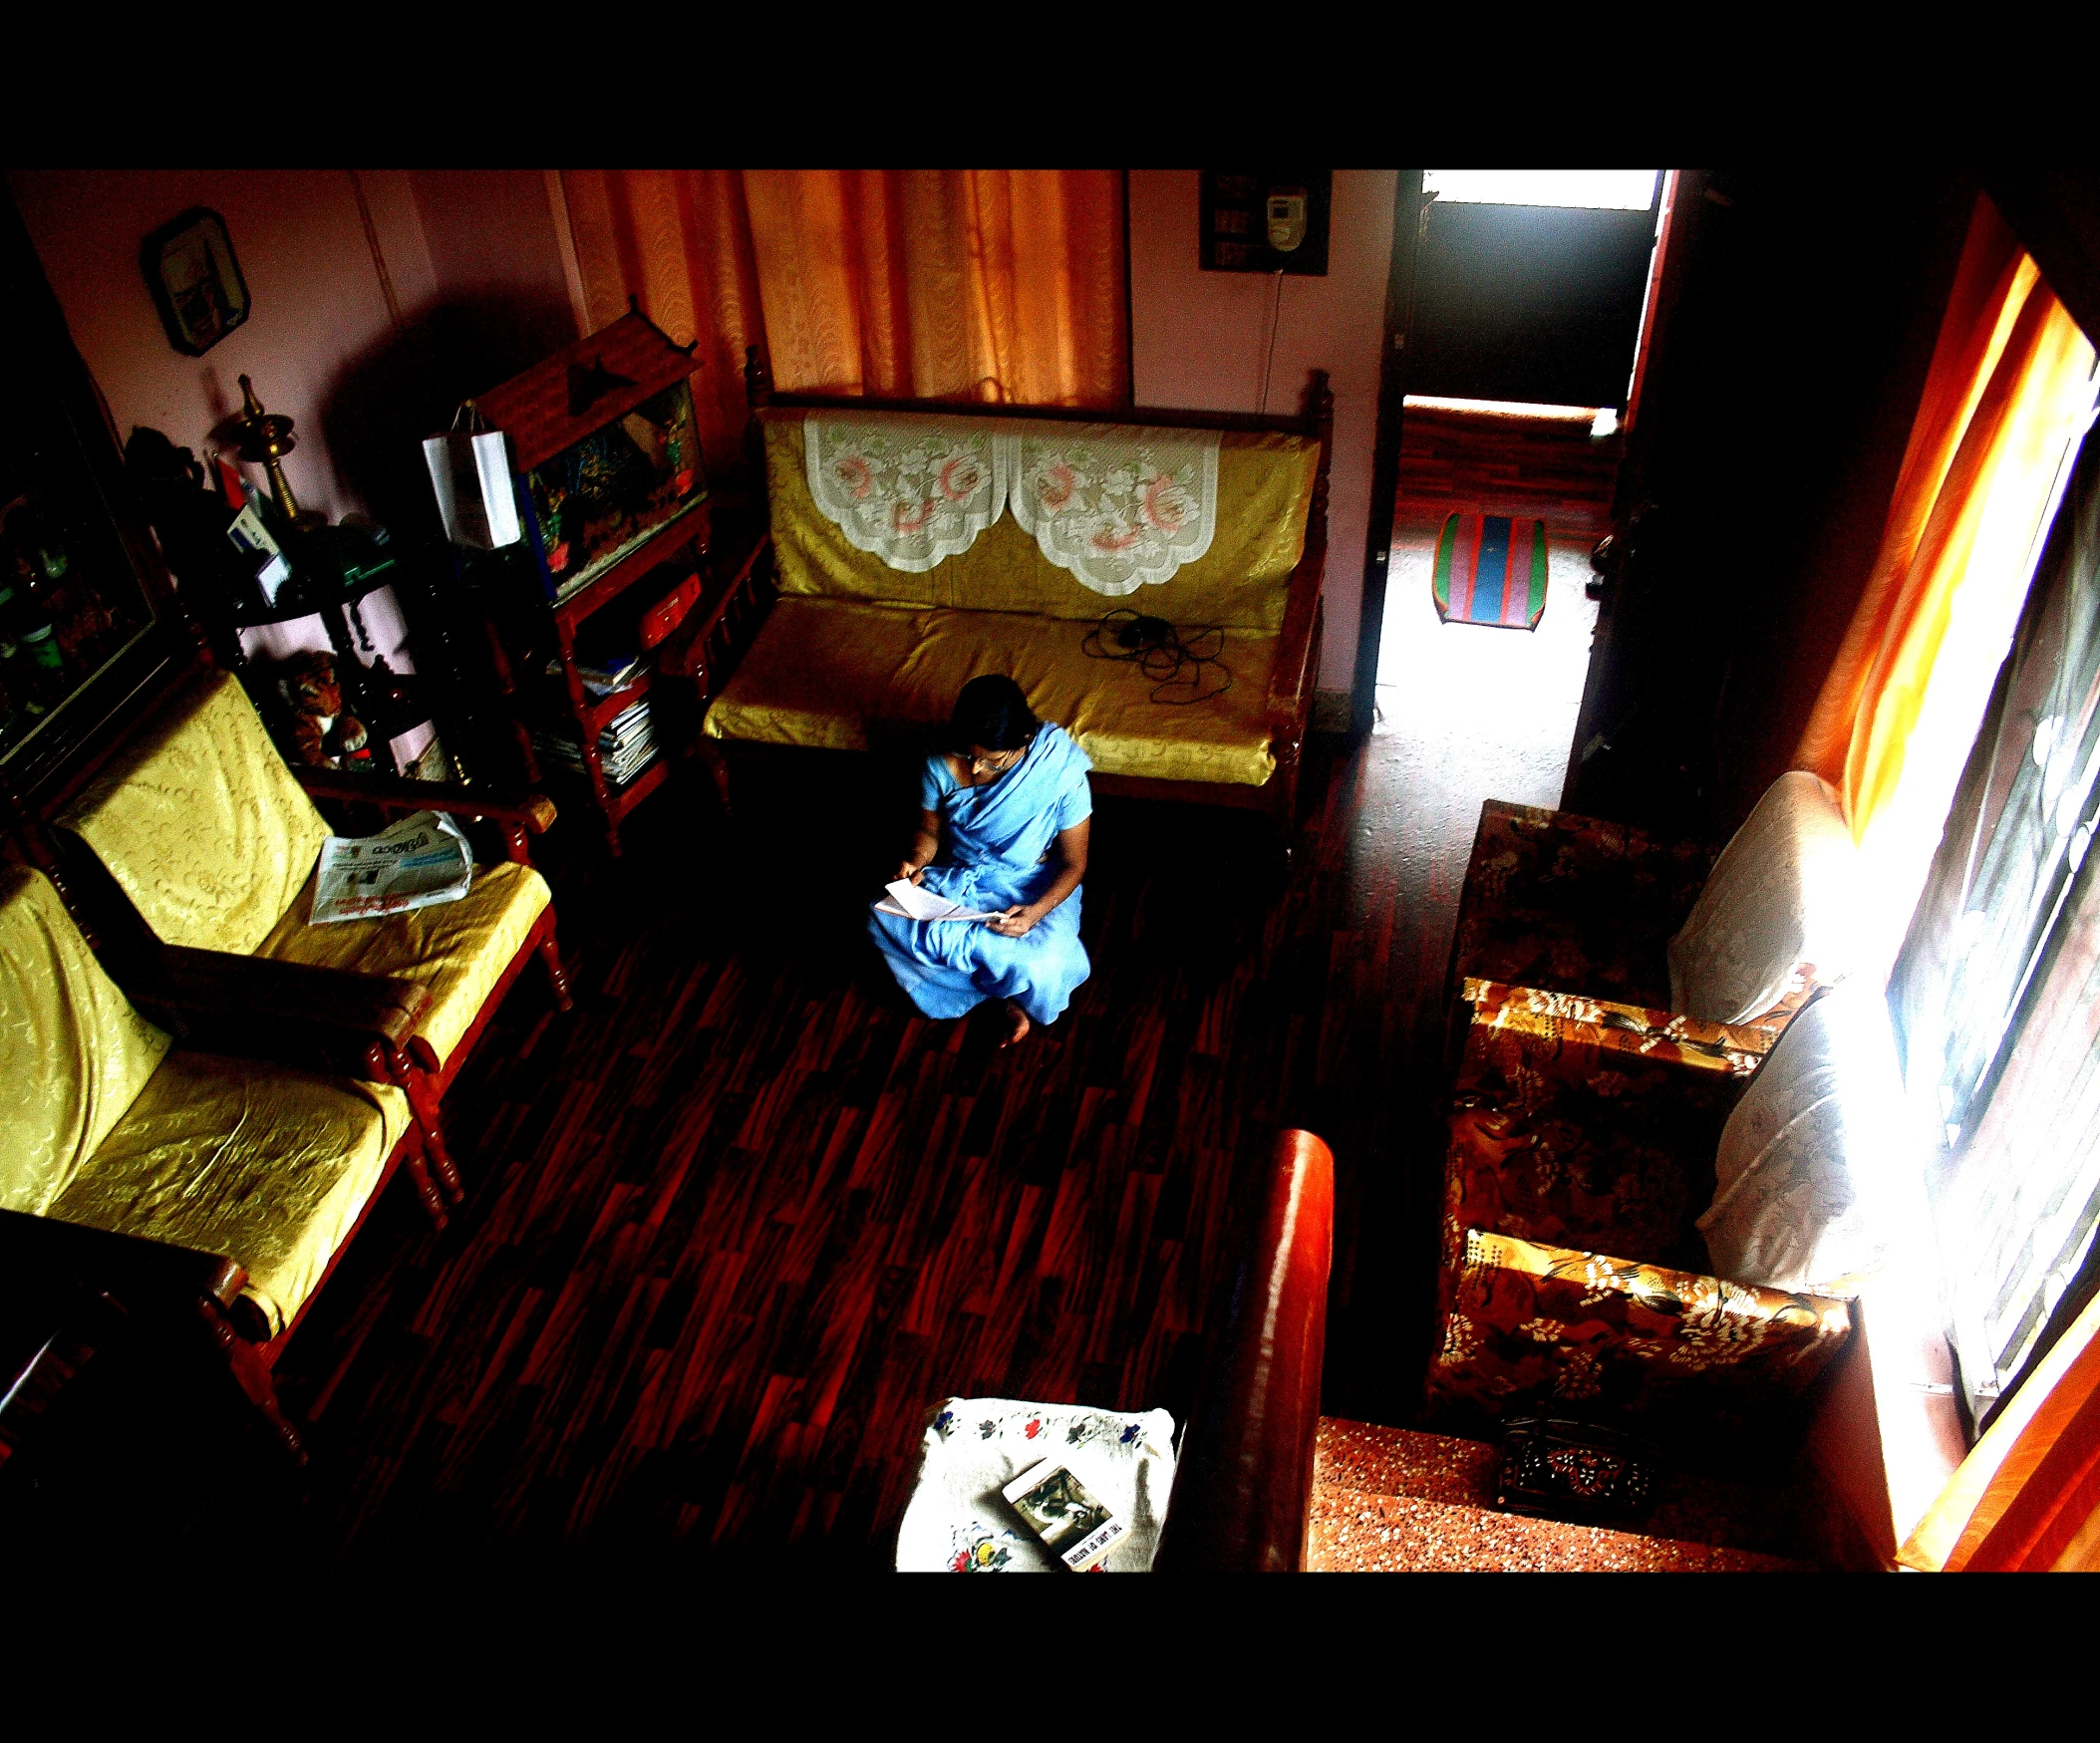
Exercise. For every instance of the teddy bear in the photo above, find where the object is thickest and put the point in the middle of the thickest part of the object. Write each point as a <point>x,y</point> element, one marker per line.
<point>323,734</point>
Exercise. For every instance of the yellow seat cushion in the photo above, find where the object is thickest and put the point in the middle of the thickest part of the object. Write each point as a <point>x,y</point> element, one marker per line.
<point>74,1055</point>
<point>832,674</point>
<point>458,949</point>
<point>202,824</point>
<point>269,1166</point>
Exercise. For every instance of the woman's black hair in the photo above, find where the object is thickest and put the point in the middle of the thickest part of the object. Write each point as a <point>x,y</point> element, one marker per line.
<point>993,713</point>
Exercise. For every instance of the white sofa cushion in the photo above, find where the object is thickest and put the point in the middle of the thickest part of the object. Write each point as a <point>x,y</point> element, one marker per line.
<point>1808,1187</point>
<point>1784,892</point>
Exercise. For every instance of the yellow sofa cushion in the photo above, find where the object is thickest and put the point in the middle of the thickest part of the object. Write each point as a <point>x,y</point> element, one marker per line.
<point>202,824</point>
<point>1265,492</point>
<point>458,949</point>
<point>269,1166</point>
<point>831,674</point>
<point>74,1055</point>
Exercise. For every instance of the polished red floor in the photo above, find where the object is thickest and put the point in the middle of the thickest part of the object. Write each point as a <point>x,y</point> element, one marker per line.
<point>736,1224</point>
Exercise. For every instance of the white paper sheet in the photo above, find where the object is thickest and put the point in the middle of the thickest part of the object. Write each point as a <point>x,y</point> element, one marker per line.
<point>909,902</point>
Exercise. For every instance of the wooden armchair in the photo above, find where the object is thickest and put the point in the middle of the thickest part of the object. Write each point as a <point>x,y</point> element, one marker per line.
<point>1582,1146</point>
<point>192,849</point>
<point>206,1188</point>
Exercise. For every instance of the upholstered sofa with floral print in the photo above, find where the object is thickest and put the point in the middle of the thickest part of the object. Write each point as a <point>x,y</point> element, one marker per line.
<point>1571,904</point>
<point>1582,1139</point>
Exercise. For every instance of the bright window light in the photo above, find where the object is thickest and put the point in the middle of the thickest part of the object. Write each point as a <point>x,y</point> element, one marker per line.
<point>1630,191</point>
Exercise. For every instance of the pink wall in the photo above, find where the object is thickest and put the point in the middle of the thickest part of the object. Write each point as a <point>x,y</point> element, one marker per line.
<point>479,280</point>
<point>1200,339</point>
<point>314,294</point>
<point>472,259</point>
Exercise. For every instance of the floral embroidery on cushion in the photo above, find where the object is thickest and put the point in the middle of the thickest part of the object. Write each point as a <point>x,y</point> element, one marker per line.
<point>1117,508</point>
<point>908,489</point>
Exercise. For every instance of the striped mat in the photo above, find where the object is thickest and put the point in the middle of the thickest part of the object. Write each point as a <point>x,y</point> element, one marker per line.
<point>1491,569</point>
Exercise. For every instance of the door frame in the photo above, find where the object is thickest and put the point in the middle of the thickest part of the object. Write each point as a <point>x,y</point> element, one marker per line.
<point>1408,210</point>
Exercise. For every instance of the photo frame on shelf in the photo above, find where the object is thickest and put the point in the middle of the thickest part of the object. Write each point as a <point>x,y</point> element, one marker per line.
<point>196,280</point>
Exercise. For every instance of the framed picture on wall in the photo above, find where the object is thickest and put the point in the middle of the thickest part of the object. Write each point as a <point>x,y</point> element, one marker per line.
<point>196,280</point>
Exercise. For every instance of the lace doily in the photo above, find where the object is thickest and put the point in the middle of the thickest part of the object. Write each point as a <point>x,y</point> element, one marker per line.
<point>1117,508</point>
<point>908,489</point>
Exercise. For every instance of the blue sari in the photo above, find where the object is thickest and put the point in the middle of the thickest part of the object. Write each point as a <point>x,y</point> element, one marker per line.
<point>997,838</point>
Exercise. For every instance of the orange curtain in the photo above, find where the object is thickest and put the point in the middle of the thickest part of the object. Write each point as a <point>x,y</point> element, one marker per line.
<point>1004,285</point>
<point>2027,1496</point>
<point>2010,377</point>
<point>680,242</point>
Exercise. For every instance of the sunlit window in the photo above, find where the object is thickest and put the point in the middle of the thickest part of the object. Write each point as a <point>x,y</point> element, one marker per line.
<point>1631,191</point>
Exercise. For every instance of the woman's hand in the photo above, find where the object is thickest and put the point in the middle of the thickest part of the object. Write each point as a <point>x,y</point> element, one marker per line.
<point>1015,922</point>
<point>909,873</point>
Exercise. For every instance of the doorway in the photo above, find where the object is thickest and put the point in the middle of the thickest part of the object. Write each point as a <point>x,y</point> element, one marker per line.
<point>1520,336</point>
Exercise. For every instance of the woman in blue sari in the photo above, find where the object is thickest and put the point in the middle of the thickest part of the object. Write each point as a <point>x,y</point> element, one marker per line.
<point>1011,795</point>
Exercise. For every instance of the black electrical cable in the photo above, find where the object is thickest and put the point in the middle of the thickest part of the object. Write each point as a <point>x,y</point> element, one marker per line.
<point>1174,662</point>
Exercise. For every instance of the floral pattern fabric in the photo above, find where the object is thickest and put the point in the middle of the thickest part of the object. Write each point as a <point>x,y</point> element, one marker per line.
<point>909,489</point>
<point>1579,1129</point>
<point>1532,1323</point>
<point>1117,508</point>
<point>1733,1049</point>
<point>1572,904</point>
<point>1568,1132</point>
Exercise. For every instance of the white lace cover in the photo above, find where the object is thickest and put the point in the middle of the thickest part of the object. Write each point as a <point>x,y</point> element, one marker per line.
<point>909,489</point>
<point>1117,508</point>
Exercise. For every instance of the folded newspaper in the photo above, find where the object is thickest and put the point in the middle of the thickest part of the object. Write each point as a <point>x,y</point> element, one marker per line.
<point>420,861</point>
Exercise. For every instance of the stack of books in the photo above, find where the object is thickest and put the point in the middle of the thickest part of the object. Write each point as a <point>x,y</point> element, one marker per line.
<point>602,677</point>
<point>626,744</point>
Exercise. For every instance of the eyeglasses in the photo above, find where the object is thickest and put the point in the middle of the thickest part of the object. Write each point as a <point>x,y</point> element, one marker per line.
<point>998,763</point>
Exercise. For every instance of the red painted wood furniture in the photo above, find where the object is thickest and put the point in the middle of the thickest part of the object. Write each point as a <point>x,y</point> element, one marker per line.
<point>276,978</point>
<point>1244,1486</point>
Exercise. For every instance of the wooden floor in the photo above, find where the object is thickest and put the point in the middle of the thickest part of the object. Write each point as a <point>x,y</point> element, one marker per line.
<point>737,1223</point>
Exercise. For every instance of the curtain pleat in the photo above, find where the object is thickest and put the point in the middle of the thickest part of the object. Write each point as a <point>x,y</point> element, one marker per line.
<point>995,285</point>
<point>678,242</point>
<point>2010,377</point>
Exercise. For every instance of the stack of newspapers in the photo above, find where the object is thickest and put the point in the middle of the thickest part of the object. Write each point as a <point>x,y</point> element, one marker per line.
<point>626,746</point>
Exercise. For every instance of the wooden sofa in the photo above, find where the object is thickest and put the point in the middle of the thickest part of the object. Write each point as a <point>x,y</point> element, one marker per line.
<point>855,654</point>
<point>193,847</point>
<point>175,1177</point>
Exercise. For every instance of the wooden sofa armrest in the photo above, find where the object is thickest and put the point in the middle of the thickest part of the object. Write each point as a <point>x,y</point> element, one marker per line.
<point>532,812</point>
<point>291,1013</point>
<point>1245,1481</point>
<point>1633,1029</point>
<point>1296,650</point>
<point>49,1251</point>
